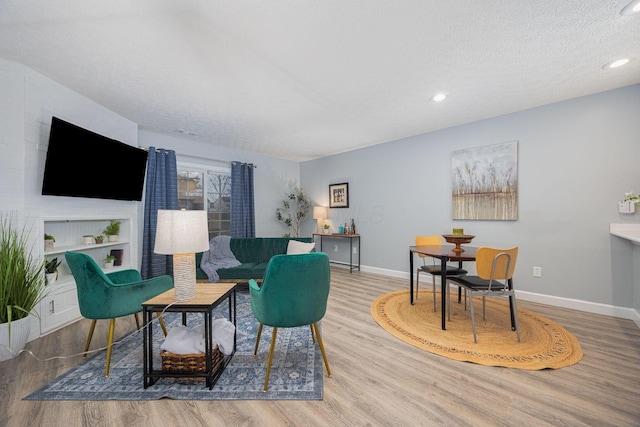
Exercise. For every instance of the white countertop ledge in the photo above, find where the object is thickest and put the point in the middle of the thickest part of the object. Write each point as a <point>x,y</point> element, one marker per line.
<point>626,231</point>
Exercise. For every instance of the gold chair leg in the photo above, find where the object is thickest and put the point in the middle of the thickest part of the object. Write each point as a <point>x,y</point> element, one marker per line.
<point>91,329</point>
<point>162,325</point>
<point>255,350</point>
<point>137,321</point>
<point>112,327</point>
<point>313,337</point>
<point>321,345</point>
<point>274,335</point>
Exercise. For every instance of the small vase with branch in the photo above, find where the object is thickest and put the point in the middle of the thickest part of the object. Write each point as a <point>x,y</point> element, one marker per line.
<point>629,202</point>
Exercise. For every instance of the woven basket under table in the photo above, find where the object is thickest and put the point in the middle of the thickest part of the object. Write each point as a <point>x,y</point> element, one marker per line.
<point>195,362</point>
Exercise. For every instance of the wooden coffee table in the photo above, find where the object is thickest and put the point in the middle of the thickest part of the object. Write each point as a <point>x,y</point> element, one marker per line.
<point>208,296</point>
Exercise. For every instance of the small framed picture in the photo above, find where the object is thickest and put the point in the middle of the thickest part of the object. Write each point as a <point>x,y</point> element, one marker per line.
<point>339,195</point>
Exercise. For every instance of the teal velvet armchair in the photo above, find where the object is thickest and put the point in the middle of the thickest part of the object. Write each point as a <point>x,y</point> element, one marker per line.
<point>294,293</point>
<point>108,296</point>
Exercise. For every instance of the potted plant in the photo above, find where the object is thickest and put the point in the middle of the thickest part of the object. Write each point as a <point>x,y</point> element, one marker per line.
<point>22,286</point>
<point>51,270</point>
<point>108,261</point>
<point>99,239</point>
<point>49,241</point>
<point>112,230</point>
<point>326,228</point>
<point>294,208</point>
<point>629,202</point>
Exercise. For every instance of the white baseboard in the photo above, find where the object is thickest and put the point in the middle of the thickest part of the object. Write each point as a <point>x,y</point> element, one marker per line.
<point>574,304</point>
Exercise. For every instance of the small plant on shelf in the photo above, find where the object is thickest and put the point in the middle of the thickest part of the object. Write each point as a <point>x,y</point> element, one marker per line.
<point>108,260</point>
<point>51,270</point>
<point>49,241</point>
<point>112,230</point>
<point>51,266</point>
<point>99,239</point>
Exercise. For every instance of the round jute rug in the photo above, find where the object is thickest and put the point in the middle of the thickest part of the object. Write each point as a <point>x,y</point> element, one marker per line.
<point>544,344</point>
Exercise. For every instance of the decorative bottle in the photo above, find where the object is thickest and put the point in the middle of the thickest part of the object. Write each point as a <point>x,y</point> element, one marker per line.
<point>353,227</point>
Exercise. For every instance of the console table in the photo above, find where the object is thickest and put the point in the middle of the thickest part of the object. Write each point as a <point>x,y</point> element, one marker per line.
<point>351,238</point>
<point>208,296</point>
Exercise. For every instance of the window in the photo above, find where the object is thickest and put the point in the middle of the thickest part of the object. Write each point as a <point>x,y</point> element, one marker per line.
<point>208,188</point>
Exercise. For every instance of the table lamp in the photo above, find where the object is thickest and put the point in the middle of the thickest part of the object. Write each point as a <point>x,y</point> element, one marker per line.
<point>181,234</point>
<point>320,213</point>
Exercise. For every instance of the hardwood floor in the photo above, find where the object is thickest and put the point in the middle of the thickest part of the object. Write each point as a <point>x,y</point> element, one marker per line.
<point>377,379</point>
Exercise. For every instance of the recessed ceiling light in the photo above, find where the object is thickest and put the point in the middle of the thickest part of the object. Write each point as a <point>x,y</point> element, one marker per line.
<point>631,8</point>
<point>615,64</point>
<point>438,97</point>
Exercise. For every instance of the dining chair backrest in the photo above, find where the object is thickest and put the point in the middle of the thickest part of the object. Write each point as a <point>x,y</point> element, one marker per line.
<point>434,240</point>
<point>496,264</point>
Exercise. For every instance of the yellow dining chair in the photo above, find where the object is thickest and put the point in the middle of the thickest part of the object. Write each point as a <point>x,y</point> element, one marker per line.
<point>434,269</point>
<point>492,266</point>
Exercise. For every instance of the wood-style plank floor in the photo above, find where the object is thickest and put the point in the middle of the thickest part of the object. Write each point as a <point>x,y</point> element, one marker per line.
<point>377,379</point>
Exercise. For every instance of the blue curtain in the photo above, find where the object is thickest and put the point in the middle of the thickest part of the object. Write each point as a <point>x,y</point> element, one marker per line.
<point>161,192</point>
<point>243,218</point>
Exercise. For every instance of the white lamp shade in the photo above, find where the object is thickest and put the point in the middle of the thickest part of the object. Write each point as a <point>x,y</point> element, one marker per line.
<point>320,212</point>
<point>181,232</point>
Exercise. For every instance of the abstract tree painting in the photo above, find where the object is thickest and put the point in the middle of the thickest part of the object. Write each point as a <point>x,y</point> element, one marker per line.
<point>484,182</point>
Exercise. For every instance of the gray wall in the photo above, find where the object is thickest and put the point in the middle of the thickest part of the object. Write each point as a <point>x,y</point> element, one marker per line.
<point>576,160</point>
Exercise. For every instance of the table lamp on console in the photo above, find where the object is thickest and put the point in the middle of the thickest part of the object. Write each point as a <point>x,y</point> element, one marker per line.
<point>182,233</point>
<point>320,213</point>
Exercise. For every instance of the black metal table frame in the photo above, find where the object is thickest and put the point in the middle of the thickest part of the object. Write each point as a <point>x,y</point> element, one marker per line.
<point>151,375</point>
<point>344,236</point>
<point>444,259</point>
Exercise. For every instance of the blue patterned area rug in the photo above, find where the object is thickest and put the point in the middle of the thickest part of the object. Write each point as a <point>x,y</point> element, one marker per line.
<point>296,373</point>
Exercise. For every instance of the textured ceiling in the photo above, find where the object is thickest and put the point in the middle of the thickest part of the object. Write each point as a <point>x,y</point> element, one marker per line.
<point>301,79</point>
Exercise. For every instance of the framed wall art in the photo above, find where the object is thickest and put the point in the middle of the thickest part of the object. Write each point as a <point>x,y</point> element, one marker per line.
<point>339,195</point>
<point>484,182</point>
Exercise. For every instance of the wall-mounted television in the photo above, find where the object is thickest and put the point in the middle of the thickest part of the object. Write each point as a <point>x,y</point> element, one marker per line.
<point>82,163</point>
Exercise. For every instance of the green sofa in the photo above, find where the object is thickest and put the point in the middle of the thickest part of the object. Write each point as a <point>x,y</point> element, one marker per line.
<point>254,253</point>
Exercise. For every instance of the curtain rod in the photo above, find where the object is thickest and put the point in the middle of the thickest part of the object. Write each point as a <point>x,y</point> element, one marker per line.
<point>204,158</point>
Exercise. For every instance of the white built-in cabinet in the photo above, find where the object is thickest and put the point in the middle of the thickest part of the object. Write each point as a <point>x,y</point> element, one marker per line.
<point>60,307</point>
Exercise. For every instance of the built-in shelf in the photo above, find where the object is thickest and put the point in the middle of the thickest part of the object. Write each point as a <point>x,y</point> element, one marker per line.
<point>60,306</point>
<point>83,247</point>
<point>630,232</point>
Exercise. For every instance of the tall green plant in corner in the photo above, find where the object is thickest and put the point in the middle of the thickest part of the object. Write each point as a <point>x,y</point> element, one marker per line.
<point>294,208</point>
<point>22,281</point>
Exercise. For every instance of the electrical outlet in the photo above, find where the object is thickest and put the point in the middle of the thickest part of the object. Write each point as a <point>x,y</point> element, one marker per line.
<point>537,271</point>
<point>335,248</point>
<point>355,250</point>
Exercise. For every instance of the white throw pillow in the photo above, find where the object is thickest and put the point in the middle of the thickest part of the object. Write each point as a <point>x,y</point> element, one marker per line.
<point>296,247</point>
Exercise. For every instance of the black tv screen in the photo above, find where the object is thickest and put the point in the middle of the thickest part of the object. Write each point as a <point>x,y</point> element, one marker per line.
<point>81,163</point>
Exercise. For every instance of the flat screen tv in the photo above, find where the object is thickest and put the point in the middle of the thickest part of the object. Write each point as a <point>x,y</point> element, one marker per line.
<point>81,163</point>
